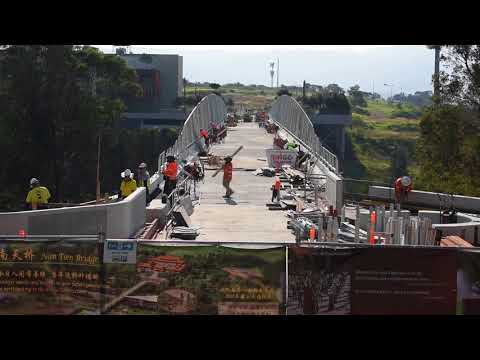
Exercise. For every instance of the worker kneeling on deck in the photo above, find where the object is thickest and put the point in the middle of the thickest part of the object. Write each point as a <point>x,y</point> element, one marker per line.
<point>38,196</point>
<point>403,186</point>
<point>170,175</point>
<point>292,145</point>
<point>128,185</point>
<point>277,185</point>
<point>204,135</point>
<point>227,176</point>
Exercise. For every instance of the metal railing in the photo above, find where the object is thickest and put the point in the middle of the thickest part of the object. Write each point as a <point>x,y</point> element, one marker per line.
<point>289,114</point>
<point>211,109</point>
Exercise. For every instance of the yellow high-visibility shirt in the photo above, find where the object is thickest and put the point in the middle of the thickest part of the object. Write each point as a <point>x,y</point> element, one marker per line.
<point>145,182</point>
<point>38,195</point>
<point>128,187</point>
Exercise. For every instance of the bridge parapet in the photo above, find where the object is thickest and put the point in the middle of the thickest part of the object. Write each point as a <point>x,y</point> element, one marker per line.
<point>211,109</point>
<point>290,115</point>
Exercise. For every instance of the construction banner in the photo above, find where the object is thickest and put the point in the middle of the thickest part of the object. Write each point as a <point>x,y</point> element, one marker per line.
<point>49,277</point>
<point>468,282</point>
<point>277,158</point>
<point>371,281</point>
<point>319,281</point>
<point>404,281</point>
<point>204,280</point>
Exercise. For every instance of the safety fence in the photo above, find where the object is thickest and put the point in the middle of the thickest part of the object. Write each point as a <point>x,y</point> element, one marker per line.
<point>94,275</point>
<point>288,113</point>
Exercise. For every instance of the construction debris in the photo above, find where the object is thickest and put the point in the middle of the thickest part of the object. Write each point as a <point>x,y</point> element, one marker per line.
<point>185,233</point>
<point>454,241</point>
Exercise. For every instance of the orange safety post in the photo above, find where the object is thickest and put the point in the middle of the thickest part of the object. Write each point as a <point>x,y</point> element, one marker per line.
<point>373,220</point>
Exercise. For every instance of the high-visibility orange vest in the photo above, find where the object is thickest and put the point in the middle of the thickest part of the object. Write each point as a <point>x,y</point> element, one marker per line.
<point>278,184</point>
<point>171,170</point>
<point>227,171</point>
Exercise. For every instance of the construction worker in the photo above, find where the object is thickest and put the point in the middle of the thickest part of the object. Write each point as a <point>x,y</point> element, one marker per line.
<point>277,185</point>
<point>38,195</point>
<point>128,184</point>
<point>204,135</point>
<point>292,145</point>
<point>170,175</point>
<point>215,128</point>
<point>227,176</point>
<point>144,178</point>
<point>403,185</point>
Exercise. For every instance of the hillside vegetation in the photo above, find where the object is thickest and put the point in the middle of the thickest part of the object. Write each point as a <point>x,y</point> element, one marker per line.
<point>381,144</point>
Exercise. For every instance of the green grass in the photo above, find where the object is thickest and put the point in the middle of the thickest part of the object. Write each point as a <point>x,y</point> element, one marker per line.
<point>374,138</point>
<point>380,108</point>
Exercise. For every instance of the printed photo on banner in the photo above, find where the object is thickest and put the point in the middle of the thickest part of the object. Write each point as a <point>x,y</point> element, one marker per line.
<point>205,280</point>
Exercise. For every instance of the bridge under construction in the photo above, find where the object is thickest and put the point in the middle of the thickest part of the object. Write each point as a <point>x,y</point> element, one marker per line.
<point>313,201</point>
<point>316,250</point>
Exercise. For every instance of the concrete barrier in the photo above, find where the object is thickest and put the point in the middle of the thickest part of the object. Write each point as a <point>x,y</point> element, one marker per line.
<point>334,185</point>
<point>118,220</point>
<point>428,199</point>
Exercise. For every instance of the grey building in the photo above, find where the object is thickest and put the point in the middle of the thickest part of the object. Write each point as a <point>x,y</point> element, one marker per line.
<point>161,77</point>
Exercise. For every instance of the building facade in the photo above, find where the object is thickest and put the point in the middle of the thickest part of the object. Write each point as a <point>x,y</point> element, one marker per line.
<point>161,78</point>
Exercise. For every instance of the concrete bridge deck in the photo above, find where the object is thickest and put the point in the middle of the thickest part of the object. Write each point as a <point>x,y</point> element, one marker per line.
<point>243,217</point>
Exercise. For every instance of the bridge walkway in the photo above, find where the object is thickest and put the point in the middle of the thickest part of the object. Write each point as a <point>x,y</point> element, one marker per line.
<point>244,217</point>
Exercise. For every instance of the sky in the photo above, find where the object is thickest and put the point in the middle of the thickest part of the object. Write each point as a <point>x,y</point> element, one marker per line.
<point>408,68</point>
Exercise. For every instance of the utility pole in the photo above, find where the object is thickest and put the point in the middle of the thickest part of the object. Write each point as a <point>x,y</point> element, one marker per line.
<point>304,85</point>
<point>391,88</point>
<point>278,69</point>
<point>272,73</point>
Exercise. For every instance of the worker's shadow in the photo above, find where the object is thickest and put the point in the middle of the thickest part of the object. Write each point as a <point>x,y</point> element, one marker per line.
<point>230,201</point>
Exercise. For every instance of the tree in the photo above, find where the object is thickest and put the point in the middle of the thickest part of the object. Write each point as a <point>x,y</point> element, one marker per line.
<point>55,102</point>
<point>448,151</point>
<point>215,86</point>
<point>356,96</point>
<point>436,73</point>
<point>335,89</point>
<point>283,91</point>
<point>400,162</point>
<point>461,84</point>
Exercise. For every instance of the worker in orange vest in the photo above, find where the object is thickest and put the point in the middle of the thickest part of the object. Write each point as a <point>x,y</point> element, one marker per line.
<point>170,175</point>
<point>403,185</point>
<point>277,185</point>
<point>204,134</point>
<point>227,176</point>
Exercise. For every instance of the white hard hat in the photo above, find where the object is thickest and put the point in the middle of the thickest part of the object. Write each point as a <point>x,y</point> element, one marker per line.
<point>127,173</point>
<point>34,181</point>
<point>406,181</point>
